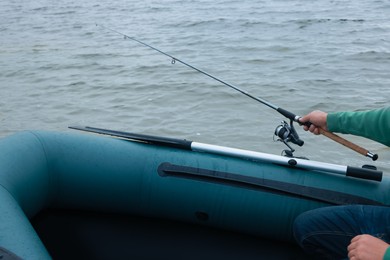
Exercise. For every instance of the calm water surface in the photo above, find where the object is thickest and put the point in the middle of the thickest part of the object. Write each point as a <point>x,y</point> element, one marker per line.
<point>57,68</point>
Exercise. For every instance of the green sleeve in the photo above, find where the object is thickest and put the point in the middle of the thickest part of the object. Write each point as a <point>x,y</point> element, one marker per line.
<point>372,124</point>
<point>387,254</point>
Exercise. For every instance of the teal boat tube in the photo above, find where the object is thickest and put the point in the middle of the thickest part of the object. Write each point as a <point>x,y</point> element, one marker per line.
<point>221,188</point>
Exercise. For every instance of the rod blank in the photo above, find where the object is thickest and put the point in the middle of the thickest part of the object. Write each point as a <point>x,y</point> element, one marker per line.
<point>282,111</point>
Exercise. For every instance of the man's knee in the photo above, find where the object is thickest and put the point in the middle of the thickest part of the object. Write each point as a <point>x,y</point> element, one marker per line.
<point>303,226</point>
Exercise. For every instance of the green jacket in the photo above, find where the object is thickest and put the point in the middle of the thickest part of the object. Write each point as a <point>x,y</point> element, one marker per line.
<point>387,254</point>
<point>372,124</point>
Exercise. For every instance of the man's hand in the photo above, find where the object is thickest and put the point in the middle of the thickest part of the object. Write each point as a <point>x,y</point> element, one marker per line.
<point>364,247</point>
<point>317,119</point>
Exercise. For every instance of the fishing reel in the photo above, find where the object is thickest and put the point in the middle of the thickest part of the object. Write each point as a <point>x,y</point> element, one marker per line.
<point>287,133</point>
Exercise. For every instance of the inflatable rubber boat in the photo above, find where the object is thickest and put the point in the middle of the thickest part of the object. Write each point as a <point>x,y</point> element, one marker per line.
<point>130,177</point>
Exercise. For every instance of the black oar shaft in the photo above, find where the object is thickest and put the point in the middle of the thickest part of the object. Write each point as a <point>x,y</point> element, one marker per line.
<point>362,173</point>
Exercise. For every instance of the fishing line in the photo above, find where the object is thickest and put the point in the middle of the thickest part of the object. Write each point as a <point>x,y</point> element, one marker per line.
<point>174,60</point>
<point>286,132</point>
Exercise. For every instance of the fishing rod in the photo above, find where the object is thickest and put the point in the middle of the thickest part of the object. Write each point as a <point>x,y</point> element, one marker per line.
<point>286,132</point>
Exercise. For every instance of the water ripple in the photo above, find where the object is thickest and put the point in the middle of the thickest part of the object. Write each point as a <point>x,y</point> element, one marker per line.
<point>301,55</point>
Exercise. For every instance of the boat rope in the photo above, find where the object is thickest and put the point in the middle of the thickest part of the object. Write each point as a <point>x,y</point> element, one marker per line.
<point>332,197</point>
